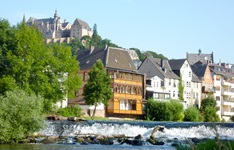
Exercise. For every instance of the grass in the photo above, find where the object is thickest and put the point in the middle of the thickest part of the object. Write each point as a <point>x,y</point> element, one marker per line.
<point>95,118</point>
<point>213,144</point>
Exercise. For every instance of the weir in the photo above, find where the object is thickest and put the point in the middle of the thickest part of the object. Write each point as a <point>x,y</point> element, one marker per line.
<point>172,130</point>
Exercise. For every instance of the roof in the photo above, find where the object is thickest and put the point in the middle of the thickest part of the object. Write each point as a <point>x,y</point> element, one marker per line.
<point>82,23</point>
<point>157,67</point>
<point>164,66</point>
<point>199,69</point>
<point>220,70</point>
<point>203,58</point>
<point>195,78</point>
<point>176,64</point>
<point>36,21</point>
<point>114,58</point>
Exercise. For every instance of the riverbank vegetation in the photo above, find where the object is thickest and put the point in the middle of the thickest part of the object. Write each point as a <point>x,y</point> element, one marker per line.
<point>173,111</point>
<point>33,78</point>
<point>20,115</point>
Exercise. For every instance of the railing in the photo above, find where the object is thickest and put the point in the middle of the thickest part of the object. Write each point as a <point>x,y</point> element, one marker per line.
<point>127,112</point>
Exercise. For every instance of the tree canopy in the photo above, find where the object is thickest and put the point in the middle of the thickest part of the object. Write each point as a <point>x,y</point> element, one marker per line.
<point>29,64</point>
<point>98,88</point>
<point>209,110</point>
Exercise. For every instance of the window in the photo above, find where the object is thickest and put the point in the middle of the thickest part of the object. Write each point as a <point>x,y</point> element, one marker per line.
<point>156,96</point>
<point>190,74</point>
<point>122,104</point>
<point>86,76</point>
<point>167,96</point>
<point>217,98</point>
<point>188,84</point>
<point>173,94</point>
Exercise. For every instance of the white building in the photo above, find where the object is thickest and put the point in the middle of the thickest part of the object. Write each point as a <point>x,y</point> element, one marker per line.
<point>162,82</point>
<point>191,83</point>
<point>224,95</point>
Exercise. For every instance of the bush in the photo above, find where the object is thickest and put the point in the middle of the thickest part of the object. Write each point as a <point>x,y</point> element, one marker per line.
<point>208,109</point>
<point>177,110</point>
<point>74,111</point>
<point>164,111</point>
<point>20,115</point>
<point>192,114</point>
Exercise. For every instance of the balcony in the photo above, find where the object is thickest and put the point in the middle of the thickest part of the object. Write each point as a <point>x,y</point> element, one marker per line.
<point>227,93</point>
<point>228,102</point>
<point>228,113</point>
<point>208,90</point>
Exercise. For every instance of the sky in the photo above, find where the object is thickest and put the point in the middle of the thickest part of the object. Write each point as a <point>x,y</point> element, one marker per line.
<point>168,27</point>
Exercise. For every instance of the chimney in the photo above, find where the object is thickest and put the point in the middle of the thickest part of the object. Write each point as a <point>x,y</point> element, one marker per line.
<point>91,49</point>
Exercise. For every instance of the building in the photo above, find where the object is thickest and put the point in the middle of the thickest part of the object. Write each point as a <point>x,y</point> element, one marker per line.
<point>199,57</point>
<point>224,95</point>
<point>55,30</point>
<point>162,82</point>
<point>191,83</point>
<point>204,74</point>
<point>128,85</point>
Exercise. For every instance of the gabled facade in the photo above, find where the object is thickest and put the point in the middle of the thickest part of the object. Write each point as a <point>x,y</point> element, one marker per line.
<point>224,95</point>
<point>162,82</point>
<point>204,74</point>
<point>192,85</point>
<point>128,86</point>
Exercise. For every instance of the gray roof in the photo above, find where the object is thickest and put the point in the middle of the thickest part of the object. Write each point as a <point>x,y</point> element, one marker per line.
<point>176,64</point>
<point>157,67</point>
<point>82,23</point>
<point>199,69</point>
<point>113,58</point>
<point>220,70</point>
<point>195,78</point>
<point>199,57</point>
<point>36,21</point>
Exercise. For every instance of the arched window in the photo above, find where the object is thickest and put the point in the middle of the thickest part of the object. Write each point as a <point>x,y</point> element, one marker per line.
<point>116,89</point>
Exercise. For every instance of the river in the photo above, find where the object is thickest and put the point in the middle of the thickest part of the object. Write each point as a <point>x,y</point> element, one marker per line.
<point>174,132</point>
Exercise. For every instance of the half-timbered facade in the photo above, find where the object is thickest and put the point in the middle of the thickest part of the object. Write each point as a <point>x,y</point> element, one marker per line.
<point>128,86</point>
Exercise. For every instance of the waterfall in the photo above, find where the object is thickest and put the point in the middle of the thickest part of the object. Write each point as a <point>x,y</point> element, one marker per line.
<point>172,130</point>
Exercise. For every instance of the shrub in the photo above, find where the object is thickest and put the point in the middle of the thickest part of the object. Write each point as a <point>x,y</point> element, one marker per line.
<point>74,111</point>
<point>20,115</point>
<point>192,114</point>
<point>177,110</point>
<point>164,111</point>
<point>208,109</point>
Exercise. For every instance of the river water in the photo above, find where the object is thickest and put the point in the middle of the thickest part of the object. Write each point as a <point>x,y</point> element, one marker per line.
<point>173,132</point>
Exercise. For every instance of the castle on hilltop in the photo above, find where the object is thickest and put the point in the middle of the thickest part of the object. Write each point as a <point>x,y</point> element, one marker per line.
<point>55,30</point>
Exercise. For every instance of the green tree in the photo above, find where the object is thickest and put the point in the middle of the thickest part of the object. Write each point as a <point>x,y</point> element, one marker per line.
<point>192,114</point>
<point>158,111</point>
<point>49,71</point>
<point>96,39</point>
<point>86,40</point>
<point>98,88</point>
<point>177,110</point>
<point>181,88</point>
<point>154,55</point>
<point>140,55</point>
<point>76,45</point>
<point>109,43</point>
<point>20,115</point>
<point>208,109</point>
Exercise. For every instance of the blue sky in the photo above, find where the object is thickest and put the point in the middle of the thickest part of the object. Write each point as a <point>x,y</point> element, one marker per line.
<point>168,27</point>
